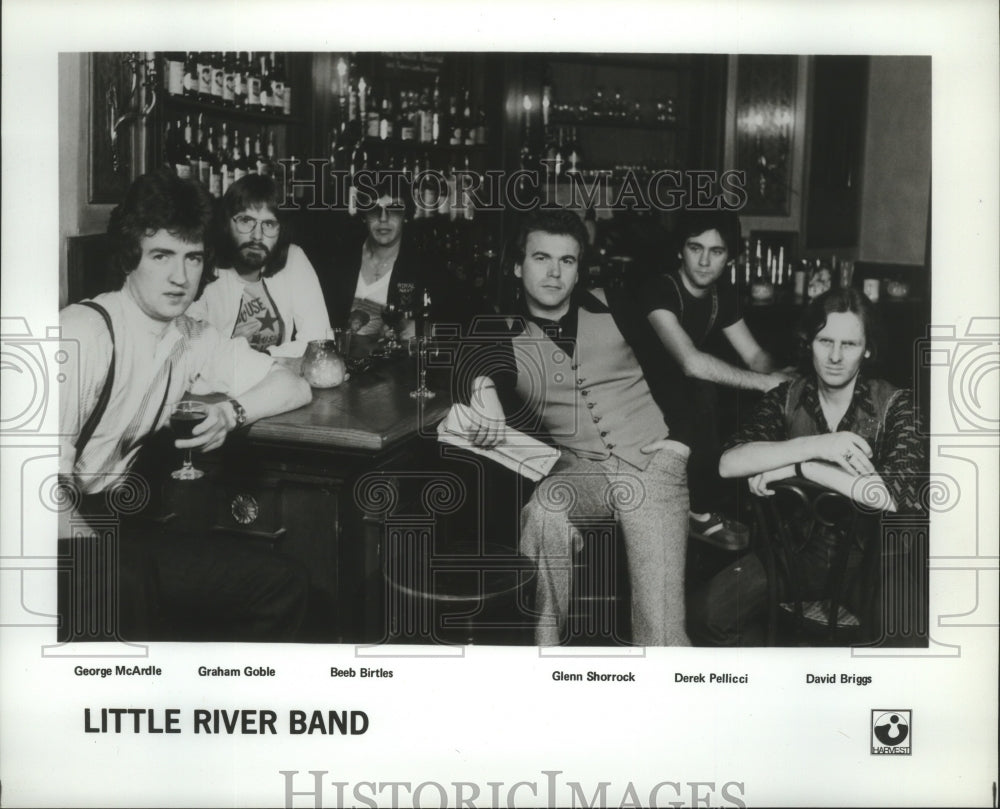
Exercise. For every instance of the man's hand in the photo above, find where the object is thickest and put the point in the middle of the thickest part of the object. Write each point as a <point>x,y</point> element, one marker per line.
<point>212,432</point>
<point>846,449</point>
<point>775,378</point>
<point>488,425</point>
<point>759,484</point>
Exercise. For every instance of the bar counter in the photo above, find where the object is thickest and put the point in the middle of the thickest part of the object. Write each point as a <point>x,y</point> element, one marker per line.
<point>319,484</point>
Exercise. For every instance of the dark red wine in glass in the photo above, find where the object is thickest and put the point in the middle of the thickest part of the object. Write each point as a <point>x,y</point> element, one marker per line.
<point>184,417</point>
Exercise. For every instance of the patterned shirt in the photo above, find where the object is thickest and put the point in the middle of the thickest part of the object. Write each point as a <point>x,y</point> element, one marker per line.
<point>899,452</point>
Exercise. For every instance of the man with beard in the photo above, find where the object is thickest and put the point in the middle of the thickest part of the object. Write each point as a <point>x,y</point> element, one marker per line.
<point>267,291</point>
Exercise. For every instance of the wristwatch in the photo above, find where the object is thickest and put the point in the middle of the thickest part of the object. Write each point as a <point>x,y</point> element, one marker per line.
<point>239,412</point>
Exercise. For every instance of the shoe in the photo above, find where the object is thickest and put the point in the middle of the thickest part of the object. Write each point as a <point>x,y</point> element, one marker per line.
<point>721,532</point>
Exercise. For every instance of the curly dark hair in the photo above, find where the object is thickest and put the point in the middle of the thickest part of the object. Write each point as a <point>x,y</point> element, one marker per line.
<point>252,191</point>
<point>815,316</point>
<point>158,201</point>
<point>692,222</point>
<point>557,221</point>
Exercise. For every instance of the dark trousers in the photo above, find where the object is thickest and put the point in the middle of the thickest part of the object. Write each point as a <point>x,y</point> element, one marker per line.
<point>134,583</point>
<point>703,468</point>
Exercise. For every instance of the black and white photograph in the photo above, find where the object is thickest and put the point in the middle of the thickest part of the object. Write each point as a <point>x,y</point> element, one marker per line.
<point>398,421</point>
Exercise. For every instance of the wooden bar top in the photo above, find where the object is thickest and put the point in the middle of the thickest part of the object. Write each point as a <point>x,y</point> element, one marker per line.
<point>369,412</point>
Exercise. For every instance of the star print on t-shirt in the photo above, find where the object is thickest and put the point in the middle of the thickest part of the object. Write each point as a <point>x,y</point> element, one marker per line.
<point>259,320</point>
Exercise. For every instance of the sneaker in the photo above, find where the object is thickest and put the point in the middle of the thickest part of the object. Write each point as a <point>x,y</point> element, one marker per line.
<point>721,532</point>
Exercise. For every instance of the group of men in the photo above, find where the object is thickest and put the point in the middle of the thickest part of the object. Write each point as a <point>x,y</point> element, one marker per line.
<point>621,382</point>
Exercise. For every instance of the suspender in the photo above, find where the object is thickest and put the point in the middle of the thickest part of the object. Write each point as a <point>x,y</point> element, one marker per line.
<point>102,401</point>
<point>712,315</point>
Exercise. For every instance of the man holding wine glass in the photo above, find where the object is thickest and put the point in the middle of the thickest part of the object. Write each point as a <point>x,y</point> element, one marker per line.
<point>139,356</point>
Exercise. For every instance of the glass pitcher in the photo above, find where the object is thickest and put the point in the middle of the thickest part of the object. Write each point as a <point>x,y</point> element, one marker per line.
<point>322,365</point>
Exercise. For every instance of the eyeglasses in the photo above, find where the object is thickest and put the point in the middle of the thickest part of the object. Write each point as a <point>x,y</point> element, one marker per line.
<point>246,224</point>
<point>397,209</point>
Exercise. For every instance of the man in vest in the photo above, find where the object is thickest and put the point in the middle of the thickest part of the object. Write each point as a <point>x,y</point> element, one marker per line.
<point>572,363</point>
<point>690,310</point>
<point>139,355</point>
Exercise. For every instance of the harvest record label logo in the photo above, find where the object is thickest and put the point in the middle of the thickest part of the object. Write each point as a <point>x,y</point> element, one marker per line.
<point>892,732</point>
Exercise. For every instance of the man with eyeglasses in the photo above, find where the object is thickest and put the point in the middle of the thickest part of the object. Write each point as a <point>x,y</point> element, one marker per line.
<point>386,272</point>
<point>267,290</point>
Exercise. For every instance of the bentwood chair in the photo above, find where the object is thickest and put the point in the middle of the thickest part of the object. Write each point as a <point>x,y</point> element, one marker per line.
<point>810,603</point>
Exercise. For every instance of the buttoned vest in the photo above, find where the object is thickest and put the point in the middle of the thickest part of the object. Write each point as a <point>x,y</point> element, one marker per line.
<point>596,404</point>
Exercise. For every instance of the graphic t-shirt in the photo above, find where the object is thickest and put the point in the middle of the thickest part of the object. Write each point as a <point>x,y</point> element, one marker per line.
<point>259,320</point>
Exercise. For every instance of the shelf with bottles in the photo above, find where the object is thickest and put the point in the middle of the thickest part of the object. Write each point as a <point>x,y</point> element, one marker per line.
<point>215,155</point>
<point>251,85</point>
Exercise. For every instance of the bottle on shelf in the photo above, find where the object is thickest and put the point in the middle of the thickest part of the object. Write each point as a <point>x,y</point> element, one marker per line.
<point>241,80</point>
<point>229,79</point>
<point>574,155</point>
<point>218,77</point>
<point>277,84</point>
<point>173,72</point>
<point>214,165</point>
<point>437,125</point>
<point>202,156</point>
<point>385,129</point>
<point>454,123</point>
<point>204,63</point>
<point>287,96</point>
<point>262,164</point>
<point>468,126</point>
<point>253,83</point>
<point>190,152</point>
<point>265,84</point>
<point>190,74</point>
<point>372,116</point>
<point>240,165</point>
<point>404,122</point>
<point>225,160</point>
<point>425,133</point>
<point>176,156</point>
<point>482,131</point>
<point>249,157</point>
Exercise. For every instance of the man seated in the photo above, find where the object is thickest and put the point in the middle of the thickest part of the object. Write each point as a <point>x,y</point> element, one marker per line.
<point>835,426</point>
<point>384,283</point>
<point>571,364</point>
<point>689,309</point>
<point>139,354</point>
<point>267,291</point>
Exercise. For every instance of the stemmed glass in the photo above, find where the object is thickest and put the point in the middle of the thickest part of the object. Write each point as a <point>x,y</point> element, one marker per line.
<point>421,348</point>
<point>184,417</point>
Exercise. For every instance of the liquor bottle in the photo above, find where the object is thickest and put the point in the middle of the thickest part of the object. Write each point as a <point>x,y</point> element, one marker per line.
<point>482,131</point>
<point>253,83</point>
<point>428,191</point>
<point>385,121</point>
<point>174,148</point>
<point>190,153</point>
<point>560,165</point>
<point>241,79</point>
<point>454,123</point>
<point>174,72</point>
<point>225,159</point>
<point>218,77</point>
<point>437,130</point>
<point>214,165</point>
<point>202,156</point>
<point>277,84</point>
<point>575,154</point>
<point>265,84</point>
<point>468,127</point>
<point>404,123</point>
<point>240,166</point>
<point>204,76</point>
<point>248,156</point>
<point>371,115</point>
<point>190,75</point>
<point>258,158</point>
<point>287,97</point>
<point>229,79</point>
<point>467,206</point>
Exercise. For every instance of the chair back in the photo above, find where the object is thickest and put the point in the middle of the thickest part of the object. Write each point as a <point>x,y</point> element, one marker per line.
<point>822,562</point>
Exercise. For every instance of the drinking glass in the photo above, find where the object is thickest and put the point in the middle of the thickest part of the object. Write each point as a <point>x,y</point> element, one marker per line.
<point>392,316</point>
<point>184,417</point>
<point>420,348</point>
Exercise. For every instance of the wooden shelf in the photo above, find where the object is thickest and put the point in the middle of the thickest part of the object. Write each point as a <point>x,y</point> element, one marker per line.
<point>195,106</point>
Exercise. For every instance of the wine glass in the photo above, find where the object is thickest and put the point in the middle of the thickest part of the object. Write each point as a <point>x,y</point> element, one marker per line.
<point>184,417</point>
<point>421,348</point>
